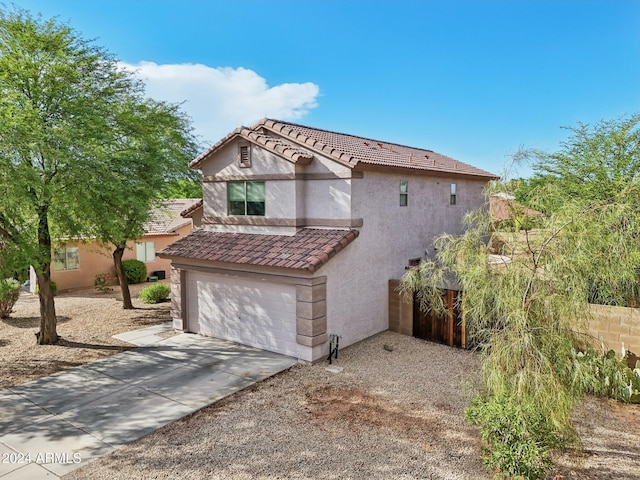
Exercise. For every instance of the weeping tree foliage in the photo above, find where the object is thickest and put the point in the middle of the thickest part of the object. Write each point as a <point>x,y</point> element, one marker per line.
<point>525,307</point>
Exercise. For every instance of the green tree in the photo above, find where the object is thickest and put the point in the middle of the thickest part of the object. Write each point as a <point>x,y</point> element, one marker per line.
<point>154,147</point>
<point>188,186</point>
<point>68,134</point>
<point>525,310</point>
<point>525,307</point>
<point>595,163</point>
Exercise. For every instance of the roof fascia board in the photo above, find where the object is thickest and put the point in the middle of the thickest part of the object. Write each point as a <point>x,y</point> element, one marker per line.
<point>363,167</point>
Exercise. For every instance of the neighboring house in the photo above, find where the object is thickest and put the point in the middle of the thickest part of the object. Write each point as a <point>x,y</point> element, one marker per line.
<point>76,263</point>
<point>504,208</point>
<point>302,229</point>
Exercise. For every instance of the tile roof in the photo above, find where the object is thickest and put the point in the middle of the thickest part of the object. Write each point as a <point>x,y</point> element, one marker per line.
<point>274,144</point>
<point>189,211</point>
<point>308,249</point>
<point>349,150</point>
<point>502,209</point>
<point>165,218</point>
<point>352,150</point>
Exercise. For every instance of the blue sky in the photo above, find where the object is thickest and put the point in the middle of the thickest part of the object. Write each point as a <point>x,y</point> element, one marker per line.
<point>472,79</point>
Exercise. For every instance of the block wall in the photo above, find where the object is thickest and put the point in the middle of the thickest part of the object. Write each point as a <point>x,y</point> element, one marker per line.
<point>616,326</point>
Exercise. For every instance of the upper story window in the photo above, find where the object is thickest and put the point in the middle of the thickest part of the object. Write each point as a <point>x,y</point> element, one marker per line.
<point>246,198</point>
<point>66,258</point>
<point>452,195</point>
<point>404,193</point>
<point>146,251</point>
<point>244,155</point>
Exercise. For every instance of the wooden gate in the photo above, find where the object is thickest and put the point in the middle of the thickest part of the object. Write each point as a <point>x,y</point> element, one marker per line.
<point>447,328</point>
<point>406,317</point>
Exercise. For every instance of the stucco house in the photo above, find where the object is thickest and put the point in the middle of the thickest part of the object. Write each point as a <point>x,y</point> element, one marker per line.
<point>76,263</point>
<point>303,228</point>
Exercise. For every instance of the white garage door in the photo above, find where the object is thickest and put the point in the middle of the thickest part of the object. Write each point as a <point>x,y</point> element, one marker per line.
<point>250,312</point>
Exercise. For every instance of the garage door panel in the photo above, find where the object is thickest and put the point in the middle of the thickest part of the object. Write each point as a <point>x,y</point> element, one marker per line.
<point>252,312</point>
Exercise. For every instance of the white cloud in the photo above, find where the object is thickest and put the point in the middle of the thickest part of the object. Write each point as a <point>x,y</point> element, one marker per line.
<point>221,99</point>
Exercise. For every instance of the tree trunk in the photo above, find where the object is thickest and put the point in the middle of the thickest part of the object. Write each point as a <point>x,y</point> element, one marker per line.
<point>122,278</point>
<point>48,334</point>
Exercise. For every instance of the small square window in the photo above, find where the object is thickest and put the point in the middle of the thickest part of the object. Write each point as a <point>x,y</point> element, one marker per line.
<point>66,258</point>
<point>452,195</point>
<point>404,193</point>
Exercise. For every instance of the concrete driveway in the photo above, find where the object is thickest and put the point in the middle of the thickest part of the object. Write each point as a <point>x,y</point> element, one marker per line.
<point>56,424</point>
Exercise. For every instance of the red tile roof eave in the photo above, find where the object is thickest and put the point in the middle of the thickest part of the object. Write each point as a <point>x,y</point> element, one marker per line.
<point>231,266</point>
<point>249,134</point>
<point>196,162</point>
<point>196,249</point>
<point>189,212</point>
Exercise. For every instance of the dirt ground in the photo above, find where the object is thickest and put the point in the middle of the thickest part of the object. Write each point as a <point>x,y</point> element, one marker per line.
<point>389,414</point>
<point>87,319</point>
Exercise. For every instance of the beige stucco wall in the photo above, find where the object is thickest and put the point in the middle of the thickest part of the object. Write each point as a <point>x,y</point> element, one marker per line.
<point>280,201</point>
<point>358,278</point>
<point>293,198</point>
<point>325,190</point>
<point>615,326</point>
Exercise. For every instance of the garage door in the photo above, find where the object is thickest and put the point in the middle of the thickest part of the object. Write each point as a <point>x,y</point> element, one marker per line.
<point>260,314</point>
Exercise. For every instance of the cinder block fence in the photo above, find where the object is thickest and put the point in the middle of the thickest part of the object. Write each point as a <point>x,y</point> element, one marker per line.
<point>616,326</point>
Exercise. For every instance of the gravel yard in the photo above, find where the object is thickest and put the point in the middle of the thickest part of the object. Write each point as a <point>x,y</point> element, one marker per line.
<point>87,319</point>
<point>391,413</point>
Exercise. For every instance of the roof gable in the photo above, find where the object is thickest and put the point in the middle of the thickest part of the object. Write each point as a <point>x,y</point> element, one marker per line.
<point>276,145</point>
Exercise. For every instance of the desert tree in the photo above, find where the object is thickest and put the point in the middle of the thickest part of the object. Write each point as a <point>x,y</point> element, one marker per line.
<point>64,105</point>
<point>526,295</point>
<point>525,309</point>
<point>153,149</point>
<point>595,163</point>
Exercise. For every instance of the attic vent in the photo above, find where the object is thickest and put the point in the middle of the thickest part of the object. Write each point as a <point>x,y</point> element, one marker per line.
<point>244,156</point>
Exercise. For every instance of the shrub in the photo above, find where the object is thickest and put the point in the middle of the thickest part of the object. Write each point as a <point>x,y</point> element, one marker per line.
<point>9,293</point>
<point>103,282</point>
<point>519,436</point>
<point>135,271</point>
<point>156,293</point>
<point>606,375</point>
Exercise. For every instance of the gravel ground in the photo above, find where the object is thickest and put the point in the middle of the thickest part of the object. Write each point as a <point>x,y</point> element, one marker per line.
<point>388,415</point>
<point>87,319</point>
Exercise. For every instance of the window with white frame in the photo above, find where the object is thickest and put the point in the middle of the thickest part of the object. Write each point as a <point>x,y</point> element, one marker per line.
<point>66,258</point>
<point>452,194</point>
<point>146,251</point>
